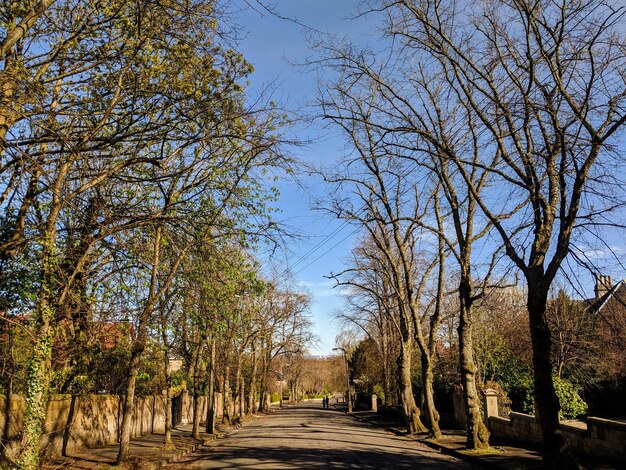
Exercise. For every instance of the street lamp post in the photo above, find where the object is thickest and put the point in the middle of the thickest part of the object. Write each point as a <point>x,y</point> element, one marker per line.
<point>345,357</point>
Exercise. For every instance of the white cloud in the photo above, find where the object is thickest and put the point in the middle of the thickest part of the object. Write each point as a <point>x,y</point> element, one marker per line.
<point>601,253</point>
<point>322,289</point>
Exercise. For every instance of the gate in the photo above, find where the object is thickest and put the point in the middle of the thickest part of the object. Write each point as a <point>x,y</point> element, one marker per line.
<point>177,410</point>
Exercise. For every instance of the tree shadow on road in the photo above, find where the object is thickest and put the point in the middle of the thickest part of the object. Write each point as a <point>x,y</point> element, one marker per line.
<point>311,458</point>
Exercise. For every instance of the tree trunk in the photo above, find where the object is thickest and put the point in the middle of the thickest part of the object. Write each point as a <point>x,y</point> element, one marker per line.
<point>197,411</point>
<point>389,400</point>
<point>227,418</point>
<point>477,433</point>
<point>139,346</point>
<point>237,398</point>
<point>167,440</point>
<point>386,385</point>
<point>264,372</point>
<point>38,382</point>
<point>431,416</point>
<point>411,411</point>
<point>197,408</point>
<point>252,387</point>
<point>129,405</point>
<point>210,416</point>
<point>242,399</point>
<point>40,365</point>
<point>555,455</point>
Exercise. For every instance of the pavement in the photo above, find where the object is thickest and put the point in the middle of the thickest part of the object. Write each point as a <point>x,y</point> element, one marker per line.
<point>307,436</point>
<point>146,452</point>
<point>502,455</point>
<point>499,456</point>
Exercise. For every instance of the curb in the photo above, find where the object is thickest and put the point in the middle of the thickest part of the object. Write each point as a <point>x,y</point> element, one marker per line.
<point>474,459</point>
<point>179,454</point>
<point>190,449</point>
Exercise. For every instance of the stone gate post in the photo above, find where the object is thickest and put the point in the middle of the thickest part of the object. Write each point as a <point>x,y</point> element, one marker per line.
<point>490,404</point>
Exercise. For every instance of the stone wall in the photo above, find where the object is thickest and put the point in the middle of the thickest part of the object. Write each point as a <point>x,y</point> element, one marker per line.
<point>518,427</point>
<point>86,421</point>
<point>595,437</point>
<point>91,421</point>
<point>188,407</point>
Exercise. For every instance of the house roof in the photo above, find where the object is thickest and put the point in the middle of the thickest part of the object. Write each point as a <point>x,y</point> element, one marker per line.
<point>615,295</point>
<point>112,332</point>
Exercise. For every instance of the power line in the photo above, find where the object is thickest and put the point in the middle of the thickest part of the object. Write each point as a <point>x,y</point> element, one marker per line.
<point>339,229</point>
<point>327,251</point>
<point>321,243</point>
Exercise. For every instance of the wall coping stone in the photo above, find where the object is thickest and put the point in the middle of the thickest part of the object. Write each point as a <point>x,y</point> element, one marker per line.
<point>523,417</point>
<point>571,429</point>
<point>606,423</point>
<point>499,419</point>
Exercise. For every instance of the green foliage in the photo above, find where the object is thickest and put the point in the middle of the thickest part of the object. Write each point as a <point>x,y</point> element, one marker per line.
<point>19,283</point>
<point>366,366</point>
<point>66,380</point>
<point>153,102</point>
<point>379,391</point>
<point>151,379</point>
<point>15,355</point>
<point>521,394</point>
<point>179,378</point>
<point>572,404</point>
<point>109,367</point>
<point>508,370</point>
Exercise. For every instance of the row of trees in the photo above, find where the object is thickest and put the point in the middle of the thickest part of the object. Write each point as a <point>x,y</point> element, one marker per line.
<point>502,352</point>
<point>133,169</point>
<point>482,138</point>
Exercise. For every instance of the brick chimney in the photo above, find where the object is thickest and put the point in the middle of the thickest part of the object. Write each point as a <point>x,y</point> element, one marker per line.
<point>603,285</point>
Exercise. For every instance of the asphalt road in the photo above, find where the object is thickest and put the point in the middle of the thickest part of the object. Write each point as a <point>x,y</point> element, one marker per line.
<point>309,437</point>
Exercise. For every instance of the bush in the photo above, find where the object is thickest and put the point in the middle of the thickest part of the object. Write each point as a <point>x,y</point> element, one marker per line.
<point>607,398</point>
<point>572,405</point>
<point>521,394</point>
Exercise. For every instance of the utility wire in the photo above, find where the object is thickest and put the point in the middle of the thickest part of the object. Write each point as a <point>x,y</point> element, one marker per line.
<point>321,243</point>
<point>327,251</point>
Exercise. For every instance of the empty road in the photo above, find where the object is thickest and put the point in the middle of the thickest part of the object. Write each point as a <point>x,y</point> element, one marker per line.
<point>309,437</point>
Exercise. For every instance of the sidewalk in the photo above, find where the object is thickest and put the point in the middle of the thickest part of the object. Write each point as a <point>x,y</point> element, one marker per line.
<point>501,455</point>
<point>146,452</point>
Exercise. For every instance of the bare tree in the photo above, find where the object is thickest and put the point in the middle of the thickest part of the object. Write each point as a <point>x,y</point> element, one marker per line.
<point>542,84</point>
<point>376,193</point>
<point>367,311</point>
<point>284,329</point>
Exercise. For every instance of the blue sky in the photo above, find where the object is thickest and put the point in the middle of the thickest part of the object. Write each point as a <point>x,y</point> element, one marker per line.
<point>273,45</point>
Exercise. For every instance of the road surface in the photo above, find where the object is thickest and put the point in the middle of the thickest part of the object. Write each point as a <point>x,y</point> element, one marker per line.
<point>309,437</point>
